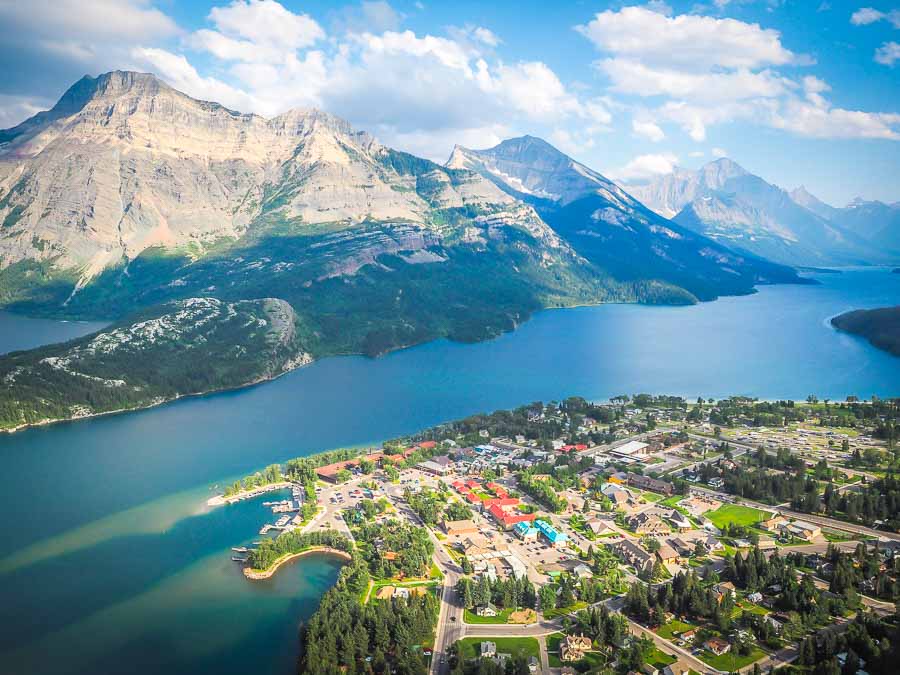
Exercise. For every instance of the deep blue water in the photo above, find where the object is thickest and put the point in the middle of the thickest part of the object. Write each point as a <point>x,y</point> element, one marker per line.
<point>108,552</point>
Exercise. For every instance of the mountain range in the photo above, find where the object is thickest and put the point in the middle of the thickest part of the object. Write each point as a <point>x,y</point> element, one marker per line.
<point>609,227</point>
<point>744,212</point>
<point>129,193</point>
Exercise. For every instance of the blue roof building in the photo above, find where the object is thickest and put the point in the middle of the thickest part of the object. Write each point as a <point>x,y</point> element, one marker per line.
<point>555,537</point>
<point>525,530</point>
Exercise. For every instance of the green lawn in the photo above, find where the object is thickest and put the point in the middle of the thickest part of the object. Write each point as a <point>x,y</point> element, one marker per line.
<point>673,629</point>
<point>560,611</point>
<point>730,662</point>
<point>748,606</point>
<point>658,659</point>
<point>592,659</point>
<point>671,501</point>
<point>502,617</point>
<point>728,514</point>
<point>469,648</point>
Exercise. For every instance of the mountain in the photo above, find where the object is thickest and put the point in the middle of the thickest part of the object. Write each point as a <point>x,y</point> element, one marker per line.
<point>128,194</point>
<point>611,228</point>
<point>183,347</point>
<point>725,202</point>
<point>876,222</point>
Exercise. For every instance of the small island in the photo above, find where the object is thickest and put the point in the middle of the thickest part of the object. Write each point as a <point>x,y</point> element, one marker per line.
<point>881,326</point>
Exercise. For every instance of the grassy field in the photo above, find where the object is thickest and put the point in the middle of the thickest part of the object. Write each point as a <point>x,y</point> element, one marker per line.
<point>502,617</point>
<point>560,611</point>
<point>469,648</point>
<point>730,662</point>
<point>672,629</point>
<point>671,501</point>
<point>729,514</point>
<point>658,659</point>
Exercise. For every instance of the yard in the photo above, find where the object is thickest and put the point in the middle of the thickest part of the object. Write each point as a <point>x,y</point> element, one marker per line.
<point>561,611</point>
<point>658,659</point>
<point>735,514</point>
<point>671,501</point>
<point>672,629</point>
<point>502,617</point>
<point>469,648</point>
<point>591,659</point>
<point>731,662</point>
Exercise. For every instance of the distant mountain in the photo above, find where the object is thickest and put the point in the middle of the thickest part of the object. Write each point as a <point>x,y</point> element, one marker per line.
<point>725,202</point>
<point>876,222</point>
<point>611,228</point>
<point>129,193</point>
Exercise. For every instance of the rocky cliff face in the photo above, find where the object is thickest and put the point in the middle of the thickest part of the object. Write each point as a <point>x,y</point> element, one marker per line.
<point>124,162</point>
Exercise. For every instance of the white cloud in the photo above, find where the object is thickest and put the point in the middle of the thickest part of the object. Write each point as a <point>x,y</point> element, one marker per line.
<point>688,41</point>
<point>86,21</point>
<point>867,15</point>
<point>647,129</point>
<point>719,152</point>
<point>645,167</point>
<point>373,16</point>
<point>888,53</point>
<point>486,36</point>
<point>266,23</point>
<point>710,71</point>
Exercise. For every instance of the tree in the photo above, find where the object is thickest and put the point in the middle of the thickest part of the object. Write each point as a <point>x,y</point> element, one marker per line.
<point>547,596</point>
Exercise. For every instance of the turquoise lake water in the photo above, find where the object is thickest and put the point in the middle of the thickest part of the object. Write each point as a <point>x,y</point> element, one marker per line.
<point>111,561</point>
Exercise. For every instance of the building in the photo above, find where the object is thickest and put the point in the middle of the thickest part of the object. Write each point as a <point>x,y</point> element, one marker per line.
<point>717,646</point>
<point>525,531</point>
<point>801,530</point>
<point>679,521</point>
<point>456,528</point>
<point>725,588</point>
<point>554,536</point>
<point>574,647</point>
<point>631,449</point>
<point>582,571</point>
<point>507,518</point>
<point>439,466</point>
<point>633,554</point>
<point>329,472</point>
<point>486,610</point>
<point>652,484</point>
<point>533,664</point>
<point>643,523</point>
<point>773,524</point>
<point>488,650</point>
<point>667,555</point>
<point>601,527</point>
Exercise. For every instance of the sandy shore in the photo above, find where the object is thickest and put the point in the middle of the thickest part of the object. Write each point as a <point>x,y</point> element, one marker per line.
<point>257,575</point>
<point>219,500</point>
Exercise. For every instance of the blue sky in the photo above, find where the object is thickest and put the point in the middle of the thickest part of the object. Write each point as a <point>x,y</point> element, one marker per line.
<point>804,92</point>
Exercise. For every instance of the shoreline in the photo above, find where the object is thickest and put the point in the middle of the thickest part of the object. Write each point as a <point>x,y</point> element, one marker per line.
<point>221,500</point>
<point>156,404</point>
<point>256,575</point>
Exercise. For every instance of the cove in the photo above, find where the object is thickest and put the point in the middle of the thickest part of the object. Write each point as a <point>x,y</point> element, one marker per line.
<point>110,559</point>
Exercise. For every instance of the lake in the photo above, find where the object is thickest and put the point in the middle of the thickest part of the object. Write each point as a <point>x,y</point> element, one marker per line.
<point>111,561</point>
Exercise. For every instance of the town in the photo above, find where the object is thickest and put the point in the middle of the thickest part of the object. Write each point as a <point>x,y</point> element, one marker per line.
<point>646,535</point>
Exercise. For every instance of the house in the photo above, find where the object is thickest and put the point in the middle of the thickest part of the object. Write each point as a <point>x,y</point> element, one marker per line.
<point>486,610</point>
<point>643,523</point>
<point>574,647</point>
<point>456,528</point>
<point>755,597</point>
<point>619,478</point>
<point>601,527</point>
<point>582,571</point>
<point>773,524</point>
<point>801,530</point>
<point>401,592</point>
<point>652,484</point>
<point>632,553</point>
<point>677,668</point>
<point>683,548</point>
<point>667,555</point>
<point>717,646</point>
<point>488,649</point>
<point>533,664</point>
<point>777,621</point>
<point>679,521</point>
<point>715,483</point>
<point>725,587</point>
<point>689,635</point>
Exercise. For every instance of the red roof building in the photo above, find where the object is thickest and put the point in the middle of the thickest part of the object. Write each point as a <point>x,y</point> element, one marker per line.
<point>507,519</point>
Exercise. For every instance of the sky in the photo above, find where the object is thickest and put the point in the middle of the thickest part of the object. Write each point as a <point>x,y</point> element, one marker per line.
<point>799,92</point>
